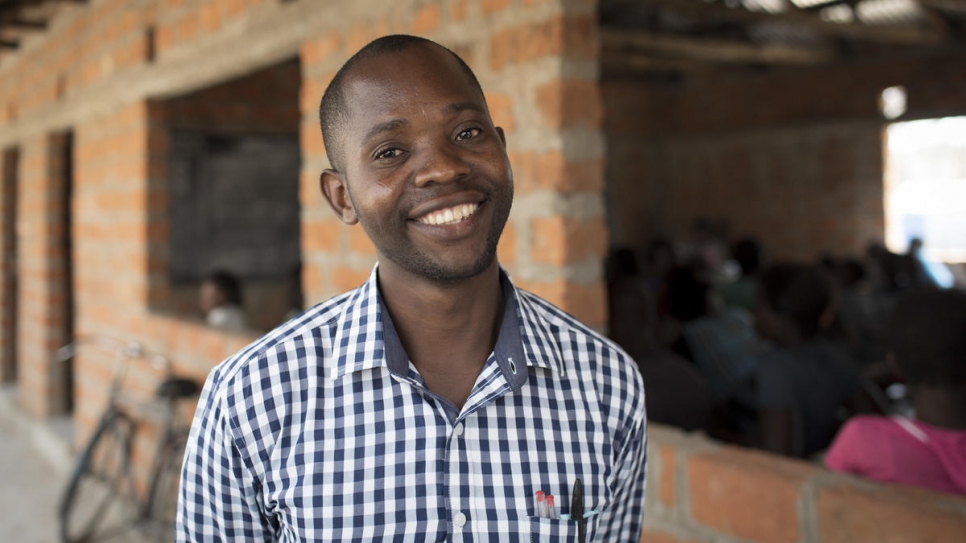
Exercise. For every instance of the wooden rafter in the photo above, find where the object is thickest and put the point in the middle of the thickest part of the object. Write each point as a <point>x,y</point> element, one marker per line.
<point>27,24</point>
<point>699,9</point>
<point>632,43</point>
<point>951,6</point>
<point>635,63</point>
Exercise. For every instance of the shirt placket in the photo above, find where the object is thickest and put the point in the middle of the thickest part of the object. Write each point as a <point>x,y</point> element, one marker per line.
<point>458,478</point>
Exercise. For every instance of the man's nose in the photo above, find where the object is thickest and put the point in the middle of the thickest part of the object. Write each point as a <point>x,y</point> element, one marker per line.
<point>442,163</point>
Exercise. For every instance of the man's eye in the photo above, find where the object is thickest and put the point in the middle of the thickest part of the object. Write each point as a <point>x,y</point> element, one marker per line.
<point>388,153</point>
<point>469,133</point>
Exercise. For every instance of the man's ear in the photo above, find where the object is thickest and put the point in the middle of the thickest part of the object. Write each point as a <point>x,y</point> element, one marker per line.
<point>499,130</point>
<point>333,186</point>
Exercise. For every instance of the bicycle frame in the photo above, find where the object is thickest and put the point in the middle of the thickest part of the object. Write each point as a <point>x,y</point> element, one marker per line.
<point>161,409</point>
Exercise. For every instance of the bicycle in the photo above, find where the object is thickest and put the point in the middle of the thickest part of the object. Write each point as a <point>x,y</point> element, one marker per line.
<point>101,502</point>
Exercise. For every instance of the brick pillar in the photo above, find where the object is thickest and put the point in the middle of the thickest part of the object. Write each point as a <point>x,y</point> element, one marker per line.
<point>8,265</point>
<point>119,207</point>
<point>42,305</point>
<point>538,63</point>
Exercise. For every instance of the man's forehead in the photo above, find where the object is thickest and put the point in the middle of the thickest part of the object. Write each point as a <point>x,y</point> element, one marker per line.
<point>394,71</point>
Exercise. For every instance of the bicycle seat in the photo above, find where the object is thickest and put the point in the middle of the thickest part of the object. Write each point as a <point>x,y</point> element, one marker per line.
<point>177,387</point>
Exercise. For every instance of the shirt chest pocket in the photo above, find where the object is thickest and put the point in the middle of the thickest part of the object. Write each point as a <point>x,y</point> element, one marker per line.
<point>545,530</point>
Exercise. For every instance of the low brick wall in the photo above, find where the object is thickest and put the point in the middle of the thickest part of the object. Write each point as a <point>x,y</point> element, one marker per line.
<point>703,491</point>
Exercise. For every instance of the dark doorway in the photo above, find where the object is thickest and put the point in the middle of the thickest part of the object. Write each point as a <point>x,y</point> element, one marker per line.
<point>64,157</point>
<point>8,266</point>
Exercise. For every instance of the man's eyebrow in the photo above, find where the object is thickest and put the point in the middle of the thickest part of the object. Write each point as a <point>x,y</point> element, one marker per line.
<point>387,126</point>
<point>464,106</point>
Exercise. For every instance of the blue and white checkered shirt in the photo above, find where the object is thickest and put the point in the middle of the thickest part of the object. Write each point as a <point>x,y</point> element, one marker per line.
<point>324,431</point>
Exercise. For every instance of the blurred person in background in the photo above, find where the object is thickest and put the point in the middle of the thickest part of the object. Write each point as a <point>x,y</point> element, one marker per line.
<point>804,380</point>
<point>741,293</point>
<point>677,394</point>
<point>927,335</point>
<point>220,299</point>
<point>721,344</point>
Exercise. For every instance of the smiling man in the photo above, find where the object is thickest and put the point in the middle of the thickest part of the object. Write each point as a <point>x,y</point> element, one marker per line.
<point>436,402</point>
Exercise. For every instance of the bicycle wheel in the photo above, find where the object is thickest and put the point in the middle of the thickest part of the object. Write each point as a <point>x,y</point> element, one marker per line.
<point>94,507</point>
<point>162,507</point>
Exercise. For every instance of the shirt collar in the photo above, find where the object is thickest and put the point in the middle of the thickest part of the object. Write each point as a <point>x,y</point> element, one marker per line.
<point>366,338</point>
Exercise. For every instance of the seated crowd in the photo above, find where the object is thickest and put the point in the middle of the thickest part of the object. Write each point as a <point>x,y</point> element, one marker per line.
<point>858,364</point>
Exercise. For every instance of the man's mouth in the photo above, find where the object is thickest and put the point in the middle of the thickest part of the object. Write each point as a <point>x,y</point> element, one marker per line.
<point>449,215</point>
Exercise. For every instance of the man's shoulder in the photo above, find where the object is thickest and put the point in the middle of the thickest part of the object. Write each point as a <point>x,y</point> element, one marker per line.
<point>560,325</point>
<point>580,348</point>
<point>288,346</point>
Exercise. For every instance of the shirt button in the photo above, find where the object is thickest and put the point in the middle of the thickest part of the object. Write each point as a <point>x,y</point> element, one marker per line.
<point>458,430</point>
<point>459,520</point>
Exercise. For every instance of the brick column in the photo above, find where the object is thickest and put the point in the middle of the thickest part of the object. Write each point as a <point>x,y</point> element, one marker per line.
<point>537,61</point>
<point>41,269</point>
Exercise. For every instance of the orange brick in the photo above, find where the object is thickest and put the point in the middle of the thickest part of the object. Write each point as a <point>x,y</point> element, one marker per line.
<point>321,236</point>
<point>573,36</point>
<point>506,251</point>
<point>889,514</point>
<point>667,480</point>
<point>550,170</point>
<point>357,38</point>
<point>570,102</point>
<point>458,10</point>
<point>311,138</point>
<point>345,278</point>
<point>489,7</point>
<point>565,240</point>
<point>321,49</point>
<point>359,242</point>
<point>501,110</point>
<point>313,283</point>
<point>426,19</point>
<point>748,494</point>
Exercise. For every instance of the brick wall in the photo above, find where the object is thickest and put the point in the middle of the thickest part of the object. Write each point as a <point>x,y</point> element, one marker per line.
<point>702,492</point>
<point>794,156</point>
<point>42,308</point>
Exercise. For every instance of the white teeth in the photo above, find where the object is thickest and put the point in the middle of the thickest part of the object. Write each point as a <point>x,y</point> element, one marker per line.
<point>450,215</point>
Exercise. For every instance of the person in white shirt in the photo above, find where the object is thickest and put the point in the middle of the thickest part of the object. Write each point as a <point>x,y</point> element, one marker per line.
<point>221,301</point>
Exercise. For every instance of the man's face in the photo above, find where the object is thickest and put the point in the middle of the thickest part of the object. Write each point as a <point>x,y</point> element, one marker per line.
<point>426,171</point>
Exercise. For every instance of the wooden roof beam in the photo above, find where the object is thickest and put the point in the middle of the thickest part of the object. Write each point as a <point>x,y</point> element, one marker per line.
<point>952,6</point>
<point>710,50</point>
<point>699,9</point>
<point>26,24</point>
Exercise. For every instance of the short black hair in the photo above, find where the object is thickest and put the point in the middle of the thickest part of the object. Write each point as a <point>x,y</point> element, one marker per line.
<point>747,253</point>
<point>799,292</point>
<point>687,294</point>
<point>927,336</point>
<point>227,284</point>
<point>333,110</point>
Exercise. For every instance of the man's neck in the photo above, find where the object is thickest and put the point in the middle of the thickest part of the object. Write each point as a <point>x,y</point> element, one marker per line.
<point>448,330</point>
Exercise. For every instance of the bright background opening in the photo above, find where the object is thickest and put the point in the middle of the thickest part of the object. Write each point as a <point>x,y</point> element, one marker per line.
<point>925,187</point>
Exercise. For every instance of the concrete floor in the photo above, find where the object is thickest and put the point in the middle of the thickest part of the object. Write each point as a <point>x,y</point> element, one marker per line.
<point>35,460</point>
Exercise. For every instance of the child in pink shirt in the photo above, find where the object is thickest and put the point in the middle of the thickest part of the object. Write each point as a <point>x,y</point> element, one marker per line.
<point>928,337</point>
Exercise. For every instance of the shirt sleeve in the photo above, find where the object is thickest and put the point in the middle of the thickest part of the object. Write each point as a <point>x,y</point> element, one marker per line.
<point>218,501</point>
<point>623,520</point>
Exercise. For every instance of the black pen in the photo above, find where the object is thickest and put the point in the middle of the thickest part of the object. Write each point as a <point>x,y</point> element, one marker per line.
<point>577,508</point>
